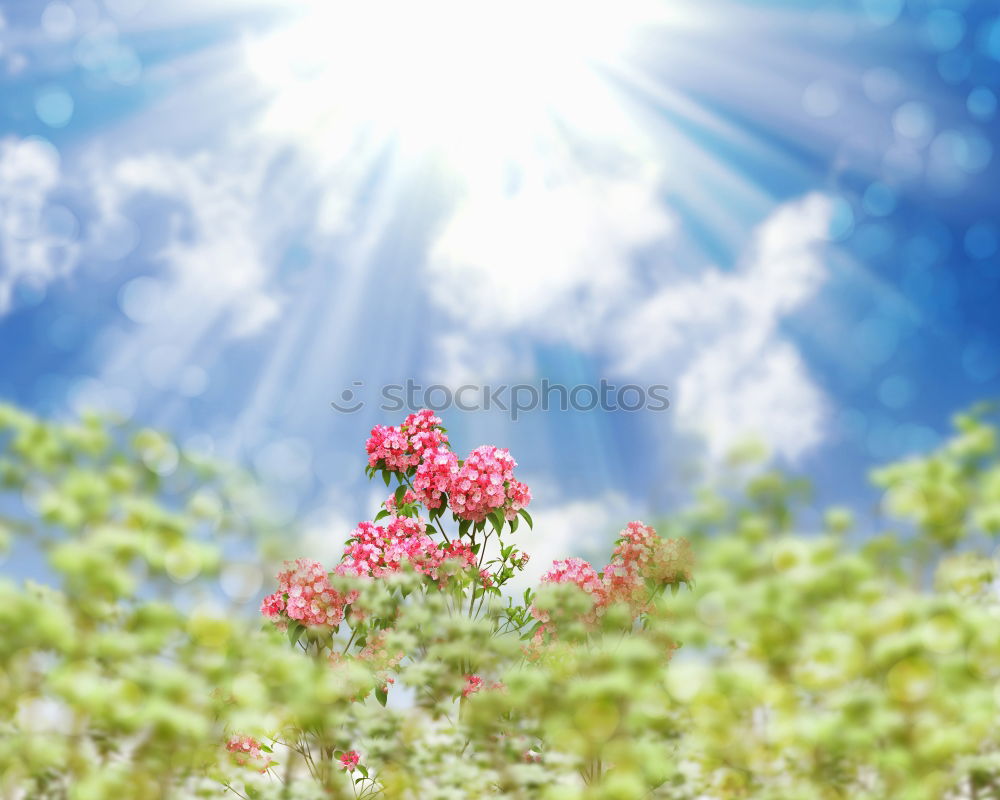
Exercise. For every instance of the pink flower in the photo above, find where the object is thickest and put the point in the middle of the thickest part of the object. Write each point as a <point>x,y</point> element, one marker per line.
<point>273,605</point>
<point>640,558</point>
<point>459,551</point>
<point>641,551</point>
<point>401,447</point>
<point>485,482</point>
<point>377,550</point>
<point>582,574</point>
<point>305,595</point>
<point>247,752</point>
<point>425,431</point>
<point>577,571</point>
<point>518,497</point>
<point>389,447</point>
<point>486,578</point>
<point>434,476</point>
<point>349,760</point>
<point>422,421</point>
<point>473,683</point>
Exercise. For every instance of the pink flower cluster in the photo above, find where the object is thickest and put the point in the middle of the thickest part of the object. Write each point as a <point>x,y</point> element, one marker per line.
<point>247,752</point>
<point>400,447</point>
<point>580,573</point>
<point>485,482</point>
<point>642,552</point>
<point>304,594</point>
<point>473,683</point>
<point>425,431</point>
<point>349,760</point>
<point>435,475</point>
<point>641,561</point>
<point>377,550</point>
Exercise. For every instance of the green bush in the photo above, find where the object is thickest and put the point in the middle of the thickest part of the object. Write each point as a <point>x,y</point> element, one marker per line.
<point>797,664</point>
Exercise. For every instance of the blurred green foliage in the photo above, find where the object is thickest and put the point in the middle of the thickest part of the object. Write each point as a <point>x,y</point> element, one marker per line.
<point>803,663</point>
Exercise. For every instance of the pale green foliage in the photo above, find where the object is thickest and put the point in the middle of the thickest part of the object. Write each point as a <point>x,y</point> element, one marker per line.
<point>801,664</point>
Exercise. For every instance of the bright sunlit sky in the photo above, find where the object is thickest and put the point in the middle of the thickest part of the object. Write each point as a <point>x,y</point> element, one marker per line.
<point>216,215</point>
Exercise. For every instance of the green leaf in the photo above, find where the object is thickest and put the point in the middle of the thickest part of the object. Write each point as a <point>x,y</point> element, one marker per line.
<point>497,520</point>
<point>386,476</point>
<point>381,515</point>
<point>514,523</point>
<point>363,770</point>
<point>295,631</point>
<point>527,517</point>
<point>381,695</point>
<point>399,494</point>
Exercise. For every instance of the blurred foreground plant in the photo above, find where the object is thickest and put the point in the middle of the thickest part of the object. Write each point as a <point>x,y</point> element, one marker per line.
<point>811,667</point>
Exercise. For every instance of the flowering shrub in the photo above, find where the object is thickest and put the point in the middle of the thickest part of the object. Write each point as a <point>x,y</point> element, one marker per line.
<point>817,665</point>
<point>477,490</point>
<point>405,558</point>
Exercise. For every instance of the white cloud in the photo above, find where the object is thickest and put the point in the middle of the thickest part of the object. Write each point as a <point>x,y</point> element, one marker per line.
<point>738,376</point>
<point>216,255</point>
<point>559,262</point>
<point>547,254</point>
<point>547,259</point>
<point>732,392</point>
<point>36,247</point>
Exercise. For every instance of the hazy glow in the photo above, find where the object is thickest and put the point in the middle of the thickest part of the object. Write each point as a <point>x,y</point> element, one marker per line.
<point>460,77</point>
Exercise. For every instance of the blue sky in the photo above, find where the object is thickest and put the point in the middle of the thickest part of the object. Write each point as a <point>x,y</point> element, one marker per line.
<point>218,215</point>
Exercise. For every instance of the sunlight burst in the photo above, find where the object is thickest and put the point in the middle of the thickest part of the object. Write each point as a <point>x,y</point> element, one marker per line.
<point>471,80</point>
